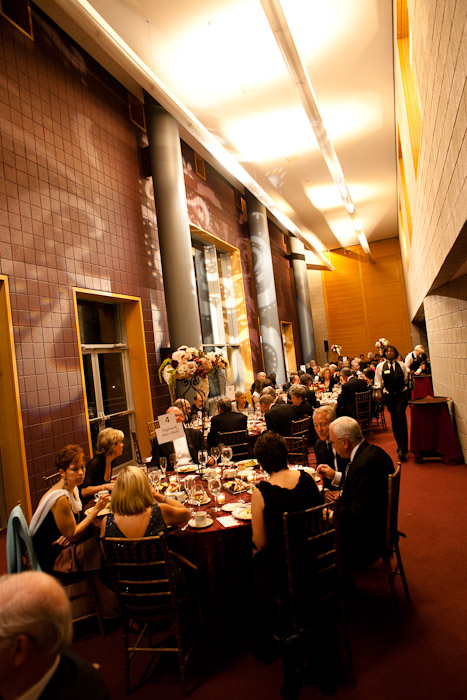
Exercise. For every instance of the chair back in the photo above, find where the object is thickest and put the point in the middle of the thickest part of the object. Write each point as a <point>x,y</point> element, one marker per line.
<point>392,512</point>
<point>301,427</point>
<point>238,441</point>
<point>363,409</point>
<point>313,578</point>
<point>152,426</point>
<point>134,437</point>
<point>297,450</point>
<point>141,575</point>
<point>19,547</point>
<point>51,480</point>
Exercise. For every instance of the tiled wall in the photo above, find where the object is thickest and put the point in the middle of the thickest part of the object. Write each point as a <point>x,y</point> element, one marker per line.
<point>438,194</point>
<point>74,211</point>
<point>446,322</point>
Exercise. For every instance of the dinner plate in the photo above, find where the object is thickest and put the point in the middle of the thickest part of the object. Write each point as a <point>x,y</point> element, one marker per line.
<point>199,503</point>
<point>192,523</point>
<point>244,463</point>
<point>188,468</point>
<point>228,507</point>
<point>242,513</point>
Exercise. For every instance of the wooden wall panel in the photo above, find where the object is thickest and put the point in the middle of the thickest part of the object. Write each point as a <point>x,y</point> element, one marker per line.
<point>366,301</point>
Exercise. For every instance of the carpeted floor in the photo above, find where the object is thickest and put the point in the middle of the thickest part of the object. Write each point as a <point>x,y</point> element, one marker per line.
<point>416,653</point>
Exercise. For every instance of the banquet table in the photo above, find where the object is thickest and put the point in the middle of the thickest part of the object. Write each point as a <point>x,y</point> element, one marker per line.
<point>432,430</point>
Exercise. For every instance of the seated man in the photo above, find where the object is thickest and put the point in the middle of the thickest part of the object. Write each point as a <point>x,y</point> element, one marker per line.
<point>307,381</point>
<point>185,408</point>
<point>346,399</point>
<point>35,631</point>
<point>185,448</point>
<point>326,456</point>
<point>225,421</point>
<point>278,417</point>
<point>363,494</point>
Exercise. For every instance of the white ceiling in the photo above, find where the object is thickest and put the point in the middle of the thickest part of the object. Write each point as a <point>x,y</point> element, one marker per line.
<point>219,58</point>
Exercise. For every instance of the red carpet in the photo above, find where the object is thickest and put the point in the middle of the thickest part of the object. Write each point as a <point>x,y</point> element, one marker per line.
<point>418,654</point>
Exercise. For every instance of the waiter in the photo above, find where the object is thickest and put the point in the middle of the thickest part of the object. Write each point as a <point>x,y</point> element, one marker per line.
<point>391,376</point>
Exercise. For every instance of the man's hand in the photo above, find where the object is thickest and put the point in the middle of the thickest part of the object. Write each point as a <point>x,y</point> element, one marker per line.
<point>326,470</point>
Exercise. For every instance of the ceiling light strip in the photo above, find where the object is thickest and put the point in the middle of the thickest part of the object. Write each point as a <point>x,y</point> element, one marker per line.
<point>278,23</point>
<point>95,26</point>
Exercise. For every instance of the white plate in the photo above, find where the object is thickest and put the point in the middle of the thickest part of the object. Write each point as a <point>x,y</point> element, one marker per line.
<point>242,513</point>
<point>228,507</point>
<point>187,469</point>
<point>247,464</point>
<point>192,523</point>
<point>201,503</point>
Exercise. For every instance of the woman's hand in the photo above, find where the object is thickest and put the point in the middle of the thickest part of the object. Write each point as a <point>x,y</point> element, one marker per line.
<point>62,541</point>
<point>101,503</point>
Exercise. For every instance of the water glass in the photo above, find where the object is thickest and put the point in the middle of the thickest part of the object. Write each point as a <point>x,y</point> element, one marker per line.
<point>215,486</point>
<point>163,465</point>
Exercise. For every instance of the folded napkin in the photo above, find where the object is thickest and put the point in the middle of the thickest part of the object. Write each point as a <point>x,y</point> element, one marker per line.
<point>228,521</point>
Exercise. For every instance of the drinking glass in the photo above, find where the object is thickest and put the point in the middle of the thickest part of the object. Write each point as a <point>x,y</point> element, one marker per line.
<point>190,488</point>
<point>226,455</point>
<point>215,486</point>
<point>163,465</point>
<point>202,458</point>
<point>199,494</point>
<point>173,461</point>
<point>215,453</point>
<point>154,476</point>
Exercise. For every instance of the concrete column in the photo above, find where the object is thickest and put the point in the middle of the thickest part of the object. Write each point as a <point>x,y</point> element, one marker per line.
<point>302,291</point>
<point>174,229</point>
<point>271,332</point>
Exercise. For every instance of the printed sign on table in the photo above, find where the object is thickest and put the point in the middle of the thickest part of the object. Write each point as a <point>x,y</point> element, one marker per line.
<point>168,429</point>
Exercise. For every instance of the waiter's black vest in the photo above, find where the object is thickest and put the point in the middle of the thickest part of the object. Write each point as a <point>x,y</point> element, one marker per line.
<point>393,383</point>
<point>416,362</point>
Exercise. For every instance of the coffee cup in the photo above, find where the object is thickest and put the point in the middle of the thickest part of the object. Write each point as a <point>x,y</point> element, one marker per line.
<point>200,518</point>
<point>100,494</point>
<point>179,495</point>
<point>230,473</point>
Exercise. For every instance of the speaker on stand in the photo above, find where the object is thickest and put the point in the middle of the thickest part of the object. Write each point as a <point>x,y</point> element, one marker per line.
<point>326,350</point>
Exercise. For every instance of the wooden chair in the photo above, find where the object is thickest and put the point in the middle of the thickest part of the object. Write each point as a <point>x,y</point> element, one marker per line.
<point>155,606</point>
<point>152,426</point>
<point>51,480</point>
<point>297,450</point>
<point>363,409</point>
<point>392,538</point>
<point>378,408</point>
<point>238,441</point>
<point>301,427</point>
<point>313,603</point>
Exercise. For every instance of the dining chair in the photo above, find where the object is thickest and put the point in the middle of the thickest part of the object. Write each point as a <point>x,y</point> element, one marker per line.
<point>301,427</point>
<point>158,606</point>
<point>389,567</point>
<point>297,450</point>
<point>363,409</point>
<point>134,437</point>
<point>238,441</point>
<point>313,603</point>
<point>51,479</point>
<point>152,426</point>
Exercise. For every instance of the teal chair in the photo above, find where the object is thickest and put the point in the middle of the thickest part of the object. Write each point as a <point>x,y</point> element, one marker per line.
<point>19,547</point>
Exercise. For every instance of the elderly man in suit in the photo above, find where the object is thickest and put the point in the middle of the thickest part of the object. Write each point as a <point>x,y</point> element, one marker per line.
<point>278,417</point>
<point>35,631</point>
<point>363,494</point>
<point>225,421</point>
<point>346,399</point>
<point>326,455</point>
<point>185,448</point>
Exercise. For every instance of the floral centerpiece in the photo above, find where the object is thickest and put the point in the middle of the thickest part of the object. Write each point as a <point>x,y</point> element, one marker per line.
<point>191,365</point>
<point>381,343</point>
<point>336,348</point>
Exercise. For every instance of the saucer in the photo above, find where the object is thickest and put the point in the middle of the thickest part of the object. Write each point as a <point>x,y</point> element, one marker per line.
<point>192,523</point>
<point>199,503</point>
<point>228,507</point>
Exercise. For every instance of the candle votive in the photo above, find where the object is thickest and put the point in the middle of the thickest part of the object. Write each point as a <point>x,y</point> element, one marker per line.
<point>221,499</point>
<point>251,478</point>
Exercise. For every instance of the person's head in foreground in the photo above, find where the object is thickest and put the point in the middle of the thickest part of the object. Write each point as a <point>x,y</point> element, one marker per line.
<point>271,452</point>
<point>344,434</point>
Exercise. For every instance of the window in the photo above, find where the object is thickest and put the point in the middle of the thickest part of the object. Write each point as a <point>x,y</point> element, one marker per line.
<point>106,367</point>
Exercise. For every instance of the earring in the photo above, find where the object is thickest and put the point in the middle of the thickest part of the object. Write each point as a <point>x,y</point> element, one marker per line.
<point>65,481</point>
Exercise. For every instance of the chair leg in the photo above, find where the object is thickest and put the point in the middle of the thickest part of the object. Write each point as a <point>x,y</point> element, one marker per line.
<point>95,601</point>
<point>401,571</point>
<point>390,574</point>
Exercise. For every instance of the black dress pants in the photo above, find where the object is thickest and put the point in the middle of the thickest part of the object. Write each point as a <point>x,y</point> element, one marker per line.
<point>397,405</point>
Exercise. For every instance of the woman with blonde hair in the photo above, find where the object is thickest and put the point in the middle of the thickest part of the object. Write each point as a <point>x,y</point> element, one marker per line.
<point>139,511</point>
<point>99,469</point>
<point>327,379</point>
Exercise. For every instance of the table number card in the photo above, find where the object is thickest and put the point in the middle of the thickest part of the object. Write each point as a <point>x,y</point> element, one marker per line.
<point>168,429</point>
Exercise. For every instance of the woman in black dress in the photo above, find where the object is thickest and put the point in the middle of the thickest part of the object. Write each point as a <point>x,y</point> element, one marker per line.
<point>287,490</point>
<point>99,469</point>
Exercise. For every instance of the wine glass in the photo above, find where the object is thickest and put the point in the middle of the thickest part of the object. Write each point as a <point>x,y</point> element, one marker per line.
<point>173,461</point>
<point>202,458</point>
<point>190,488</point>
<point>163,465</point>
<point>215,486</point>
<point>215,453</point>
<point>199,494</point>
<point>154,476</point>
<point>226,455</point>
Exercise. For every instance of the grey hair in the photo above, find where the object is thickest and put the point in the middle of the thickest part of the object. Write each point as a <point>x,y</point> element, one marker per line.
<point>35,604</point>
<point>224,404</point>
<point>298,390</point>
<point>269,390</point>
<point>346,427</point>
<point>346,372</point>
<point>327,411</point>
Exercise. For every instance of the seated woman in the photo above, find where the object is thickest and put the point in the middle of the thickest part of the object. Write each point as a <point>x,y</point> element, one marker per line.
<point>240,405</point>
<point>62,538</point>
<point>99,469</point>
<point>327,379</point>
<point>257,391</point>
<point>139,511</point>
<point>288,490</point>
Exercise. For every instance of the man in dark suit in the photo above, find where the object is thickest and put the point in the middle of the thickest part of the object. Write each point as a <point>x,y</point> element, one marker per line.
<point>35,630</point>
<point>225,421</point>
<point>346,399</point>
<point>307,381</point>
<point>185,449</point>
<point>326,455</point>
<point>303,408</point>
<point>278,417</point>
<point>363,495</point>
